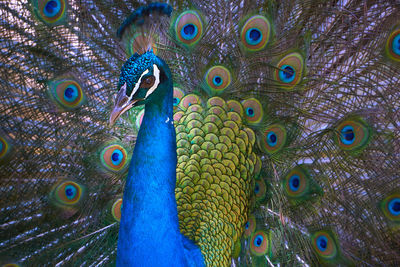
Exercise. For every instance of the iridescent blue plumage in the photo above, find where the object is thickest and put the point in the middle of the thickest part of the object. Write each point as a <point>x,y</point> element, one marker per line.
<point>149,230</point>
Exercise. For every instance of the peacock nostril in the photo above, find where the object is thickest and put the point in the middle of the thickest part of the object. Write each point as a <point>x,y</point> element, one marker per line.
<point>122,101</point>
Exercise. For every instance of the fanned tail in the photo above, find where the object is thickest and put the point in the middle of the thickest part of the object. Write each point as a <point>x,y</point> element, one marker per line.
<point>309,90</point>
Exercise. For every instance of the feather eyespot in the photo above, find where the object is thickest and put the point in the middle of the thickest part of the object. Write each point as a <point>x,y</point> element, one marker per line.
<point>147,82</point>
<point>259,243</point>
<point>299,186</point>
<point>390,207</point>
<point>218,78</point>
<point>51,12</point>
<point>289,71</point>
<point>396,44</point>
<point>178,95</point>
<point>347,135</point>
<point>255,33</point>
<point>393,45</point>
<point>250,226</point>
<point>287,74</point>
<point>296,183</point>
<point>352,134</point>
<point>51,8</point>
<point>68,193</point>
<point>67,93</point>
<point>324,245</point>
<point>4,148</point>
<point>260,189</point>
<point>394,206</point>
<point>114,157</point>
<point>116,209</point>
<point>253,111</point>
<point>274,138</point>
<point>189,27</point>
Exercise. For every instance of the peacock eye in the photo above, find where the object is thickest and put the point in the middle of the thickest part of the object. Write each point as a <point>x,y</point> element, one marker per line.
<point>116,209</point>
<point>250,226</point>
<point>67,93</point>
<point>259,243</point>
<point>253,111</point>
<point>324,245</point>
<point>391,207</point>
<point>274,138</point>
<point>114,157</point>
<point>148,82</point>
<point>178,95</point>
<point>255,33</point>
<point>260,190</point>
<point>393,45</point>
<point>68,193</point>
<point>189,28</point>
<point>289,71</point>
<point>218,78</point>
<point>256,188</point>
<point>297,183</point>
<point>352,134</point>
<point>51,12</point>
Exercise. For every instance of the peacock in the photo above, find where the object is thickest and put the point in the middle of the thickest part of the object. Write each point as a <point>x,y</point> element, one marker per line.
<point>200,133</point>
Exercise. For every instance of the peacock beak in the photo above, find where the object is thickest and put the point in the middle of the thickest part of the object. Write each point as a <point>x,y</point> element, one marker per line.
<point>121,105</point>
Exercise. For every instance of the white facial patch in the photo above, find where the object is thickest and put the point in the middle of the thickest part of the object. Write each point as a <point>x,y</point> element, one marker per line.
<point>156,73</point>
<point>137,85</point>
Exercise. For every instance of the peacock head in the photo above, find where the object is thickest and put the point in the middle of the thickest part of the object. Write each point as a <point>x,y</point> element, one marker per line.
<point>144,79</point>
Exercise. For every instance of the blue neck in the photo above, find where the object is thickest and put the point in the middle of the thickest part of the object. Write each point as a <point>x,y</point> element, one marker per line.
<point>149,230</point>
